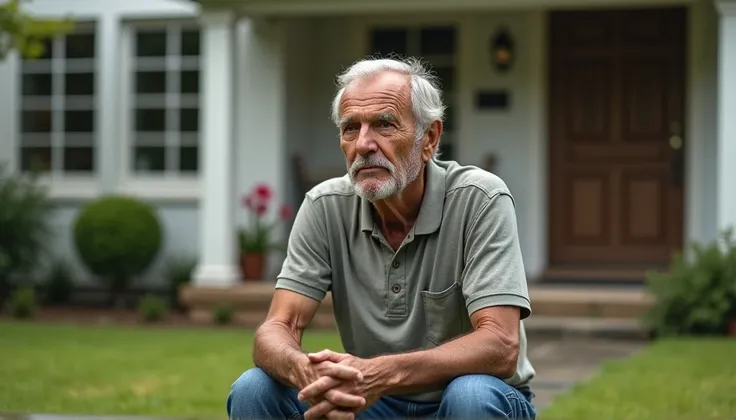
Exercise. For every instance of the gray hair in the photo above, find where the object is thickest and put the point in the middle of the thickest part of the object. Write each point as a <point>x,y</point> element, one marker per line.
<point>426,96</point>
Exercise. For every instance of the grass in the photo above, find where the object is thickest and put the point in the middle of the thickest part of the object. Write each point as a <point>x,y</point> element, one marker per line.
<point>674,379</point>
<point>116,370</point>
<point>188,373</point>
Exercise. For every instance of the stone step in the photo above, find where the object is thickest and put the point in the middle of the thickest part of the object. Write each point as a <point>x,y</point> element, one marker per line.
<point>582,308</point>
<point>572,326</point>
<point>590,301</point>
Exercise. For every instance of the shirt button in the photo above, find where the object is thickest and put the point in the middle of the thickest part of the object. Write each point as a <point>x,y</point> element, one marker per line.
<point>395,264</point>
<point>396,288</point>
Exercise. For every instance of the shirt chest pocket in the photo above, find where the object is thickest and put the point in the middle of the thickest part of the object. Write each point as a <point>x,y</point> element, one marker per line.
<point>445,314</point>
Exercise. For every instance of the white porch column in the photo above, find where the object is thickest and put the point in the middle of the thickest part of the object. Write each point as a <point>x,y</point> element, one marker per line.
<point>260,146</point>
<point>726,213</point>
<point>217,232</point>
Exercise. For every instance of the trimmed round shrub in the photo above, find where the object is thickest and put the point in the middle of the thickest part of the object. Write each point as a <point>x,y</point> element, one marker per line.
<point>117,238</point>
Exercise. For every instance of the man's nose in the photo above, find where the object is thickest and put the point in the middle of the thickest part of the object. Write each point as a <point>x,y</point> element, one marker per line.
<point>366,141</point>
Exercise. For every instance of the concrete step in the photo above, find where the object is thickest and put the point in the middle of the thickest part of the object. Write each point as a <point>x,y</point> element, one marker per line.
<point>571,326</point>
<point>624,302</point>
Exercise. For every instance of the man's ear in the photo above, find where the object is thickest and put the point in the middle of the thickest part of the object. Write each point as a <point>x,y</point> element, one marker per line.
<point>431,140</point>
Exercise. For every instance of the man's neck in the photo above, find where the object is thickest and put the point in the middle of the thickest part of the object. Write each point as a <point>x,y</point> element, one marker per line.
<point>398,213</point>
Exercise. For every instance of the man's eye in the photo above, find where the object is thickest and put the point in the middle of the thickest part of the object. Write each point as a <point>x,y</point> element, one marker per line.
<point>384,124</point>
<point>349,127</point>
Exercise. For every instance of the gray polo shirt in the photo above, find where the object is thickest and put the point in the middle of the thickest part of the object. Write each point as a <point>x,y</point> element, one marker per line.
<point>461,255</point>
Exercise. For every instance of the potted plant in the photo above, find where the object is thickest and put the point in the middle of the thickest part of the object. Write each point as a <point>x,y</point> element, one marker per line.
<point>255,240</point>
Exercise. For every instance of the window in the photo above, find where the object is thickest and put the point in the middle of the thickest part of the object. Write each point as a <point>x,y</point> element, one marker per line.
<point>57,106</point>
<point>436,46</point>
<point>164,102</point>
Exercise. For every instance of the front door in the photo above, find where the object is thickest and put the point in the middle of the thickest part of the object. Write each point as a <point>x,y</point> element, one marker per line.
<point>616,98</point>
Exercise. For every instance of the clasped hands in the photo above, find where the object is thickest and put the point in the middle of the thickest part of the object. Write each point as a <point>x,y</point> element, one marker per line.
<point>337,386</point>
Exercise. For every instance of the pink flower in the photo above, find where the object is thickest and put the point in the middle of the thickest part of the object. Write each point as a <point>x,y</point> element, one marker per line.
<point>261,209</point>
<point>248,201</point>
<point>263,192</point>
<point>286,212</point>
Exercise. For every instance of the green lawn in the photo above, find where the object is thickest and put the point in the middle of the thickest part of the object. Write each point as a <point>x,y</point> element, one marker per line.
<point>115,370</point>
<point>110,370</point>
<point>681,379</point>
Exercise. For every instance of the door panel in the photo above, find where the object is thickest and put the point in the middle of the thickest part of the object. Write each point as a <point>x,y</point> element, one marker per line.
<point>616,102</point>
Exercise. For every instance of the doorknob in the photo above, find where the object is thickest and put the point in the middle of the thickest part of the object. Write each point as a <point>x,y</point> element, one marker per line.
<point>676,142</point>
<point>677,158</point>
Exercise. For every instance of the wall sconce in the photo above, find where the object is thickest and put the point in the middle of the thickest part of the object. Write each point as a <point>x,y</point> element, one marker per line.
<point>502,50</point>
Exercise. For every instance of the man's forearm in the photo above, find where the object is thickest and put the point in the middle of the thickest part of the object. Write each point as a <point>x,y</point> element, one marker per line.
<point>278,352</point>
<point>480,352</point>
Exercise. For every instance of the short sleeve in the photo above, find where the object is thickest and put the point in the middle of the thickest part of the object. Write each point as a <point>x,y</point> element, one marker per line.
<point>494,272</point>
<point>306,269</point>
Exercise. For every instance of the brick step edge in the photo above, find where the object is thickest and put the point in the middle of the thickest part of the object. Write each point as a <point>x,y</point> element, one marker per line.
<point>573,326</point>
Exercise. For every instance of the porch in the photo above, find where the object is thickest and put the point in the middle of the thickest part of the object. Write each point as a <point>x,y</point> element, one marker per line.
<point>270,76</point>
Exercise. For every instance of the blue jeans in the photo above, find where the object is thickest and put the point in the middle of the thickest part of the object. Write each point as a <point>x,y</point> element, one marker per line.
<point>255,395</point>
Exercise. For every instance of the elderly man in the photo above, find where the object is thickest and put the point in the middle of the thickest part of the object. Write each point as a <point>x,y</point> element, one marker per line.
<point>423,261</point>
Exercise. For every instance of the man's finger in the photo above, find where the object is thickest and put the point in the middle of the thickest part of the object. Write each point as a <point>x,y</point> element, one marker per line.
<point>339,371</point>
<point>340,415</point>
<point>343,399</point>
<point>318,387</point>
<point>325,354</point>
<point>319,410</point>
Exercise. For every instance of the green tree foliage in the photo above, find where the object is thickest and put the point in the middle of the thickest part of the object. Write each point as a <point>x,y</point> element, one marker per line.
<point>24,33</point>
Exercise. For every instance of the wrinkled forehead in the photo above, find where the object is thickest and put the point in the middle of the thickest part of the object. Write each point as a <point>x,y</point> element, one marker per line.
<point>384,93</point>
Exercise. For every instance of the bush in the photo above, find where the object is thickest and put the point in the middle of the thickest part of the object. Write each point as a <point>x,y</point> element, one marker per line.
<point>22,303</point>
<point>152,308</point>
<point>222,313</point>
<point>696,297</point>
<point>117,238</point>
<point>178,272</point>
<point>58,283</point>
<point>25,214</point>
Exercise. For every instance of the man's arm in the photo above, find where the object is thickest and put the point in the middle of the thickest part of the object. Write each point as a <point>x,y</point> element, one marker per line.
<point>495,290</point>
<point>277,342</point>
<point>492,348</point>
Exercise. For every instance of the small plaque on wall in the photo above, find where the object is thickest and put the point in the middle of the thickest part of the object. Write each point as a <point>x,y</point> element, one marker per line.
<point>492,100</point>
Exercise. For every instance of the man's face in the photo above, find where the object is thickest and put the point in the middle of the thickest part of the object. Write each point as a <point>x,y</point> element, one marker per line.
<point>377,136</point>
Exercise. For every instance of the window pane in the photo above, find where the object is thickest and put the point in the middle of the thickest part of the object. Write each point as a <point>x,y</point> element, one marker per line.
<point>387,41</point>
<point>150,44</point>
<point>48,50</point>
<point>189,119</point>
<point>79,84</point>
<point>150,119</point>
<point>190,81</point>
<point>36,85</point>
<point>150,159</point>
<point>446,76</point>
<point>79,121</point>
<point>190,43</point>
<point>150,82</point>
<point>439,40</point>
<point>36,121</point>
<point>35,158</point>
<point>79,159</point>
<point>80,46</point>
<point>189,159</point>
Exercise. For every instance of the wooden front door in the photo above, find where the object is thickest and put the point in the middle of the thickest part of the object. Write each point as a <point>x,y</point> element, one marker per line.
<point>616,100</point>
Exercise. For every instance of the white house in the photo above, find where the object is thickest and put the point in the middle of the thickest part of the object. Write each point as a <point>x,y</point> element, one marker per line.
<point>614,126</point>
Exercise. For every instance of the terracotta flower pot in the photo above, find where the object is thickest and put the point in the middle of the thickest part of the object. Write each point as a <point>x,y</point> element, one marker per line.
<point>253,265</point>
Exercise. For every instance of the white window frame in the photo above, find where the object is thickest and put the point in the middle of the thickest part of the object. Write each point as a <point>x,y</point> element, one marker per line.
<point>60,184</point>
<point>168,184</point>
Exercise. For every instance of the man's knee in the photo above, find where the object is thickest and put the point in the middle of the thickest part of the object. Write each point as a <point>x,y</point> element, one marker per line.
<point>253,392</point>
<point>484,396</point>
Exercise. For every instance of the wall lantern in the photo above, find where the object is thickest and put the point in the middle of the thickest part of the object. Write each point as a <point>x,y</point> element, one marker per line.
<point>502,50</point>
